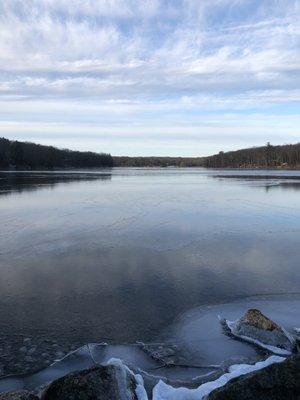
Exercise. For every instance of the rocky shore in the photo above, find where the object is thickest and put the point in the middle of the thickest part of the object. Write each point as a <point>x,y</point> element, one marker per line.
<point>274,377</point>
<point>116,382</point>
<point>19,355</point>
<point>256,328</point>
<point>275,382</point>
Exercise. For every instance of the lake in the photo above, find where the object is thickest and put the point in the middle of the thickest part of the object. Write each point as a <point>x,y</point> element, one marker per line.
<point>117,255</point>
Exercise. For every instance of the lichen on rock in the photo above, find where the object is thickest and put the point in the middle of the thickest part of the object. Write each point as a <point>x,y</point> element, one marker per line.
<point>256,327</point>
<point>257,319</point>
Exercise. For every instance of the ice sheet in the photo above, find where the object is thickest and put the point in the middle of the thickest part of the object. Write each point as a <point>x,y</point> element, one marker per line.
<point>162,391</point>
<point>131,355</point>
<point>202,346</point>
<point>200,336</point>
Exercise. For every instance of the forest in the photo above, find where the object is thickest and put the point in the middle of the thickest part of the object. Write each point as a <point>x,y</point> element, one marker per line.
<point>25,155</point>
<point>269,156</point>
<point>158,161</point>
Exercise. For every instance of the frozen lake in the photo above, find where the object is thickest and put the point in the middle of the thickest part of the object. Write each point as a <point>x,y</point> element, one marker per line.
<point>118,255</point>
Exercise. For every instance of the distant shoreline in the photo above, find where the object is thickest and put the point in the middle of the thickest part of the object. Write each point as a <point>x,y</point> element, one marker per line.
<point>15,155</point>
<point>74,169</point>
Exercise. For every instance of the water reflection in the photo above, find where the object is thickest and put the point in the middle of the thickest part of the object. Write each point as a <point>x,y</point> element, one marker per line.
<point>270,180</point>
<point>32,181</point>
<point>294,186</point>
<point>258,176</point>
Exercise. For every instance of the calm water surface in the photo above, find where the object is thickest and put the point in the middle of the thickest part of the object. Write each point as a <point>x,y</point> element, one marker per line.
<point>120,254</point>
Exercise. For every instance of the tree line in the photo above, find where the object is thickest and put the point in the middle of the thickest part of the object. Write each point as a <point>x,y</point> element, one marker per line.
<point>15,154</point>
<point>269,156</point>
<point>158,161</point>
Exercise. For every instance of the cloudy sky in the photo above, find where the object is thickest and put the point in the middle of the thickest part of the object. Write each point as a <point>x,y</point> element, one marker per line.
<point>150,77</point>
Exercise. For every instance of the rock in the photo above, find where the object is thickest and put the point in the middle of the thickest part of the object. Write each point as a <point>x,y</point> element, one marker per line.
<point>258,327</point>
<point>111,382</point>
<point>23,349</point>
<point>279,381</point>
<point>32,350</point>
<point>59,354</point>
<point>259,320</point>
<point>29,359</point>
<point>18,395</point>
<point>166,354</point>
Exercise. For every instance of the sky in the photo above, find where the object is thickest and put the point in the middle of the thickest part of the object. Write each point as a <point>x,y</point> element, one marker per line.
<point>151,77</point>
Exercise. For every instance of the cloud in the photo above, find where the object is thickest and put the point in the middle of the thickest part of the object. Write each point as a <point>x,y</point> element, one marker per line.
<point>154,60</point>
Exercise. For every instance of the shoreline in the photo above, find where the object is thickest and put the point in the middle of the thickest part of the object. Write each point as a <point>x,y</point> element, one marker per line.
<point>182,343</point>
<point>62,169</point>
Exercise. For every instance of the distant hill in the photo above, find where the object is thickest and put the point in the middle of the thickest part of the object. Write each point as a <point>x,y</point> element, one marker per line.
<point>158,161</point>
<point>286,156</point>
<point>25,155</point>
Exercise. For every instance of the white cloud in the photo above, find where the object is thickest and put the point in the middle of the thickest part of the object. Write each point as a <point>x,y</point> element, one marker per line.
<point>160,60</point>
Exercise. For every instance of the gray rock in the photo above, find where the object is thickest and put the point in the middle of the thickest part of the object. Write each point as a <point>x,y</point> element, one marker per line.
<point>18,395</point>
<point>161,352</point>
<point>32,350</point>
<point>23,349</point>
<point>59,354</point>
<point>279,381</point>
<point>100,382</point>
<point>257,326</point>
<point>257,319</point>
<point>27,340</point>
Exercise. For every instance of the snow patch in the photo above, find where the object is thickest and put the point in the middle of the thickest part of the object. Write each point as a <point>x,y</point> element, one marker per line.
<point>162,391</point>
